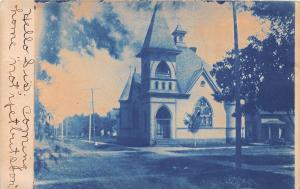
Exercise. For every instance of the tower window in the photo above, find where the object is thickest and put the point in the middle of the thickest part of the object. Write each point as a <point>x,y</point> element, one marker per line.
<point>156,84</point>
<point>181,38</point>
<point>163,85</point>
<point>163,70</point>
<point>170,86</point>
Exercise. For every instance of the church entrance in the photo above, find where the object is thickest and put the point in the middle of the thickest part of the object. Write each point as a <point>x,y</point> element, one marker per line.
<point>163,123</point>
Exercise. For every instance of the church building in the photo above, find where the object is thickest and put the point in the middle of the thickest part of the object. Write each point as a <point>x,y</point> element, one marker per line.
<point>174,81</point>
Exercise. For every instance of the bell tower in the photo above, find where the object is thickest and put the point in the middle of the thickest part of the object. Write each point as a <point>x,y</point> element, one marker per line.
<point>158,57</point>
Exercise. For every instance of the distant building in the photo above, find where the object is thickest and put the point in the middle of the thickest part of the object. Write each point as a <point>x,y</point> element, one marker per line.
<point>269,127</point>
<point>174,81</point>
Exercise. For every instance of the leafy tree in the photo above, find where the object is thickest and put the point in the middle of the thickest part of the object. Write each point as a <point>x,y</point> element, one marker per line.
<point>108,125</point>
<point>193,125</point>
<point>46,149</point>
<point>267,66</point>
<point>41,120</point>
<point>79,125</point>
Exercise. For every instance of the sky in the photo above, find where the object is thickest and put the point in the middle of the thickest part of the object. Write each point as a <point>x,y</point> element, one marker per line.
<point>88,44</point>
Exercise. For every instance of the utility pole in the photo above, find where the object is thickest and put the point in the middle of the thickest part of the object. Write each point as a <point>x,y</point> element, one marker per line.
<point>238,143</point>
<point>90,123</point>
<point>238,119</point>
<point>93,120</point>
<point>62,130</point>
<point>67,128</point>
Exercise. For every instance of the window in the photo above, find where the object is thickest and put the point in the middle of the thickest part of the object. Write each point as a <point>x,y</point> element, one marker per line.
<point>163,70</point>
<point>163,85</point>
<point>170,85</point>
<point>202,83</point>
<point>203,113</point>
<point>156,84</point>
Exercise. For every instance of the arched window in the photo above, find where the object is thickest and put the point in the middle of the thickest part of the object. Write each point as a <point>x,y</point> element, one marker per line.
<point>163,70</point>
<point>203,113</point>
<point>163,113</point>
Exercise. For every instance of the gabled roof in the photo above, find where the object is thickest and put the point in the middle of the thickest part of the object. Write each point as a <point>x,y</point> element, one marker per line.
<point>133,79</point>
<point>187,62</point>
<point>158,34</point>
<point>189,68</point>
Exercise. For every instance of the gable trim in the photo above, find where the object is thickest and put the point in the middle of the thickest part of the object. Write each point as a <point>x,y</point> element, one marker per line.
<point>207,77</point>
<point>127,89</point>
<point>211,81</point>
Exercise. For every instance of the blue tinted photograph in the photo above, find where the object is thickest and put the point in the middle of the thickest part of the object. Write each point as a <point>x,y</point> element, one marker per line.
<point>164,94</point>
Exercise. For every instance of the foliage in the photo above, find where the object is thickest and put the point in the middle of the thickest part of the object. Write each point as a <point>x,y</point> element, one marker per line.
<point>193,124</point>
<point>41,120</point>
<point>79,125</point>
<point>51,151</point>
<point>267,66</point>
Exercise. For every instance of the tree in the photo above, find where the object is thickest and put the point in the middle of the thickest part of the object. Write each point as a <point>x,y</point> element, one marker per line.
<point>41,121</point>
<point>50,150</point>
<point>193,125</point>
<point>108,125</point>
<point>267,70</point>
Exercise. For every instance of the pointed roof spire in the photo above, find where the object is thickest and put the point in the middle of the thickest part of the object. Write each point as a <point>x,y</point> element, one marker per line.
<point>134,78</point>
<point>158,35</point>
<point>126,91</point>
<point>179,30</point>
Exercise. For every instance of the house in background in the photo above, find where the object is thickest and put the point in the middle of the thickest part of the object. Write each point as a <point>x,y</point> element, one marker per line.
<point>173,81</point>
<point>269,127</point>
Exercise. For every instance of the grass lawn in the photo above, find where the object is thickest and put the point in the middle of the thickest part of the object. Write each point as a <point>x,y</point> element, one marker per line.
<point>139,170</point>
<point>205,175</point>
<point>260,159</point>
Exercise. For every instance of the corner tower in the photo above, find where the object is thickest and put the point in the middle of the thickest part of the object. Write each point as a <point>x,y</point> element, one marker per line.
<point>158,57</point>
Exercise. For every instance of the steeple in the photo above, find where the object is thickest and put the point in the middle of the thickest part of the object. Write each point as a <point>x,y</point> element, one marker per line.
<point>158,36</point>
<point>178,35</point>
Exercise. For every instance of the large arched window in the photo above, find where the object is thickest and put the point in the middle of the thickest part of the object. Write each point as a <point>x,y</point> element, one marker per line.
<point>163,123</point>
<point>163,70</point>
<point>203,112</point>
